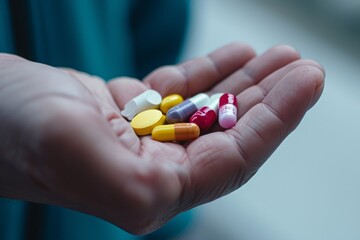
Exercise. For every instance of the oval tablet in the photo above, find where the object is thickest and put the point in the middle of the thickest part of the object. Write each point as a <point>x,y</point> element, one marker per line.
<point>144,122</point>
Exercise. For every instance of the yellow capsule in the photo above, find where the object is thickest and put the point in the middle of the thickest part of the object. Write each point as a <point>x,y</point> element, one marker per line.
<point>175,132</point>
<point>144,122</point>
<point>170,101</point>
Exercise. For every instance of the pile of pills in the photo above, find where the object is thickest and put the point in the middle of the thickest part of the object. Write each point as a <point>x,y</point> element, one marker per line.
<point>173,119</point>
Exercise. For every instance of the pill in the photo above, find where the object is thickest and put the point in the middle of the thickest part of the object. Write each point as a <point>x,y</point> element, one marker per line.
<point>207,115</point>
<point>170,101</point>
<point>183,111</point>
<point>144,122</point>
<point>175,132</point>
<point>227,110</point>
<point>149,99</point>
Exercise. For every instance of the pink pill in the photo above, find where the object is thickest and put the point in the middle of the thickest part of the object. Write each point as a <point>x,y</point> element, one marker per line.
<point>227,110</point>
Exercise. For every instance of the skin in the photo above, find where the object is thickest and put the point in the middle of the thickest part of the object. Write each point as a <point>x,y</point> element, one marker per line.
<point>65,143</point>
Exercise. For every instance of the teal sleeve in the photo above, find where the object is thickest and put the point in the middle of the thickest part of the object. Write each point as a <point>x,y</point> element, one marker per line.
<point>87,35</point>
<point>158,33</point>
<point>12,219</point>
<point>6,40</point>
<point>61,224</point>
<point>108,38</point>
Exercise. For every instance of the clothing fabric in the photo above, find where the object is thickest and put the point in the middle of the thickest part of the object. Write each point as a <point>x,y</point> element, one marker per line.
<point>107,38</point>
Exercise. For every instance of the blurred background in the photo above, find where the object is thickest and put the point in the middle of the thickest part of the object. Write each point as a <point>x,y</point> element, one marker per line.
<point>310,187</point>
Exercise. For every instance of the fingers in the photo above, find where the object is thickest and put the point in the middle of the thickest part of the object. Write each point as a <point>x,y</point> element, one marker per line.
<point>256,93</point>
<point>267,124</point>
<point>231,68</point>
<point>221,162</point>
<point>257,69</point>
<point>200,74</point>
<point>187,79</point>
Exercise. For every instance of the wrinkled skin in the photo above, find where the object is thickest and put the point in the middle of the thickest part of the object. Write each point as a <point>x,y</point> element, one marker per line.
<point>64,142</point>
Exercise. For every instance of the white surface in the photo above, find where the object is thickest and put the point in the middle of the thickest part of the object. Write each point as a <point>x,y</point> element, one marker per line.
<point>310,187</point>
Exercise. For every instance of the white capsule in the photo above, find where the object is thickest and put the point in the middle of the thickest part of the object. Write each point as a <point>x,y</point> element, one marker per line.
<point>149,99</point>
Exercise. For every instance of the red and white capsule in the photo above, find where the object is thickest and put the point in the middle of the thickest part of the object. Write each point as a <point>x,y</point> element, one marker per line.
<point>206,116</point>
<point>227,110</point>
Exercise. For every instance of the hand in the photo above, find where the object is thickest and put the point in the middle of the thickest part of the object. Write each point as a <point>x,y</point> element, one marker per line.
<point>66,143</point>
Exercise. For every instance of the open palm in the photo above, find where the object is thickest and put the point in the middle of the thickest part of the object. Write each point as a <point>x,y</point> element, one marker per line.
<point>90,159</point>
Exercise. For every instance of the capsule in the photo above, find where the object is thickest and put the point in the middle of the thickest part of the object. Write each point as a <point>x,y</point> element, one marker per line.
<point>170,101</point>
<point>207,115</point>
<point>175,132</point>
<point>149,99</point>
<point>183,111</point>
<point>227,110</point>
